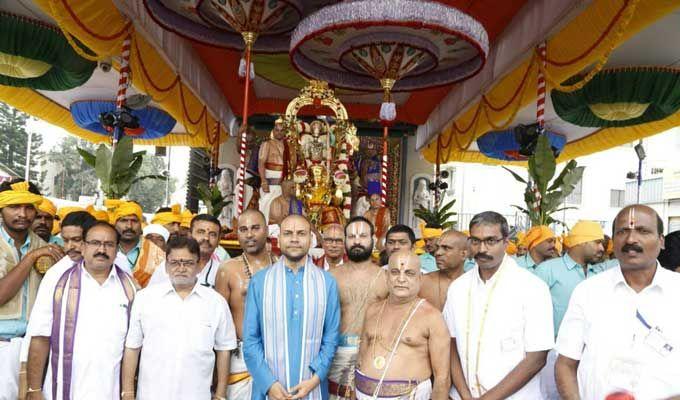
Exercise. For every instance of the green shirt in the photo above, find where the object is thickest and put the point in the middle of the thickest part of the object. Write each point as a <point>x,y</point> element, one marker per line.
<point>526,262</point>
<point>562,274</point>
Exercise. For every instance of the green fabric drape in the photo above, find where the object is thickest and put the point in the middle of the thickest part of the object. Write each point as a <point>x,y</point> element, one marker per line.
<point>658,87</point>
<point>30,39</point>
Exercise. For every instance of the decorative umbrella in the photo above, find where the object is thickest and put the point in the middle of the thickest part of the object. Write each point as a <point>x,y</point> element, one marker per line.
<point>518,143</point>
<point>621,97</point>
<point>373,45</point>
<point>153,122</point>
<point>36,55</point>
<point>233,24</point>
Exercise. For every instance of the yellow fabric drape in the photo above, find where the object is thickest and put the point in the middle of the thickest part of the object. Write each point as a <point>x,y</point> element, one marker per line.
<point>102,28</point>
<point>497,108</point>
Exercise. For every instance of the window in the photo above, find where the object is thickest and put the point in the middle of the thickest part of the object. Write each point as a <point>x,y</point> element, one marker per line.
<point>617,198</point>
<point>575,196</point>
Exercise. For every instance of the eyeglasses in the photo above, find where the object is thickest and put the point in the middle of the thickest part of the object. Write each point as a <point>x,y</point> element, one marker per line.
<point>97,244</point>
<point>489,242</point>
<point>183,263</point>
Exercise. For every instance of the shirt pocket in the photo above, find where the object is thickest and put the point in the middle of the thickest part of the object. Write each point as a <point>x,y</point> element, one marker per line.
<point>204,329</point>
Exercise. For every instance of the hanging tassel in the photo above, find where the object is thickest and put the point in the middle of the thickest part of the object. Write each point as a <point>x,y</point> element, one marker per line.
<point>388,113</point>
<point>242,69</point>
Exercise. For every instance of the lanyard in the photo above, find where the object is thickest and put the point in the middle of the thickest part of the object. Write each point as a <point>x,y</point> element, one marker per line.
<point>207,274</point>
<point>642,320</point>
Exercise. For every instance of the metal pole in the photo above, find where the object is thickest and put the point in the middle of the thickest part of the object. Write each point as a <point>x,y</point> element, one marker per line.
<point>639,179</point>
<point>28,156</point>
<point>167,181</point>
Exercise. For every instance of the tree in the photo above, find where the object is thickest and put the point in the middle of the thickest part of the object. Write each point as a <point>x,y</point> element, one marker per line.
<point>150,193</point>
<point>72,176</point>
<point>15,142</point>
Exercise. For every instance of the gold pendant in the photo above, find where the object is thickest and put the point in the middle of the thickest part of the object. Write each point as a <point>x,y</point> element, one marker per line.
<point>379,362</point>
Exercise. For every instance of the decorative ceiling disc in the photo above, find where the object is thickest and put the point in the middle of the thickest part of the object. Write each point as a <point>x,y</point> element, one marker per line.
<point>417,43</point>
<point>220,22</point>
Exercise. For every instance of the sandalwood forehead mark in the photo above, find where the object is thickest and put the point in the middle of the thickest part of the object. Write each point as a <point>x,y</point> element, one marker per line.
<point>631,218</point>
<point>358,228</point>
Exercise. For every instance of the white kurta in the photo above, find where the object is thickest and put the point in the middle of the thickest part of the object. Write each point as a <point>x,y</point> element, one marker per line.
<point>177,337</point>
<point>616,349</point>
<point>518,321</point>
<point>99,338</point>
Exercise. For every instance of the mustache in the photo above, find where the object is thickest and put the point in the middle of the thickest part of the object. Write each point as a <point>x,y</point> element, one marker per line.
<point>129,231</point>
<point>629,247</point>
<point>102,255</point>
<point>482,256</point>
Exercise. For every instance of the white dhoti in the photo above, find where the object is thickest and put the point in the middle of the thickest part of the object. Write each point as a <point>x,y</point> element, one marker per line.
<point>547,375</point>
<point>274,180</point>
<point>10,354</point>
<point>341,373</point>
<point>242,386</point>
<point>392,389</point>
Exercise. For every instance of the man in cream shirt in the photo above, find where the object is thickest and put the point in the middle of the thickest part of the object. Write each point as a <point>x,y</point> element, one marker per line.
<point>185,330</point>
<point>500,319</point>
<point>621,331</point>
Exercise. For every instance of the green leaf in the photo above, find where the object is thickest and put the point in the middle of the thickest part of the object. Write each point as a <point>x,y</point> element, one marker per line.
<point>571,180</point>
<point>122,155</point>
<point>522,209</point>
<point>543,163</point>
<point>88,157</point>
<point>102,166</point>
<point>560,178</point>
<point>517,177</point>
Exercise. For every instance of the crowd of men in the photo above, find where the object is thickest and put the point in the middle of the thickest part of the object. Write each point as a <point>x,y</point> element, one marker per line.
<point>557,319</point>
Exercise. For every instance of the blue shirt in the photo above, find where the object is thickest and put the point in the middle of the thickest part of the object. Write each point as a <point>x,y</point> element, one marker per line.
<point>11,328</point>
<point>253,344</point>
<point>469,264</point>
<point>526,262</point>
<point>56,240</point>
<point>562,274</point>
<point>428,263</point>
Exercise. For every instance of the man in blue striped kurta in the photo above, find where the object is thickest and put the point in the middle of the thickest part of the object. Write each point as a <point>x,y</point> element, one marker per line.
<point>290,330</point>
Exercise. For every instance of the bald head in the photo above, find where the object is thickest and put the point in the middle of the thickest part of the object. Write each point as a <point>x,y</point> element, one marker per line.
<point>452,250</point>
<point>637,237</point>
<point>403,277</point>
<point>295,237</point>
<point>252,232</point>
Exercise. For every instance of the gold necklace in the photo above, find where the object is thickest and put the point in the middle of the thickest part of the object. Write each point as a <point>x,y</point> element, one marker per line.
<point>481,331</point>
<point>379,361</point>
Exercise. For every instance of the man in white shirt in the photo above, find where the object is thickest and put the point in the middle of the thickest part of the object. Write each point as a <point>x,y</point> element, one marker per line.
<point>621,331</point>
<point>205,229</point>
<point>81,320</point>
<point>191,320</point>
<point>500,319</point>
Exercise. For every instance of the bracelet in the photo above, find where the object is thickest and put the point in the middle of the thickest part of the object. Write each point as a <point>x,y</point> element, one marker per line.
<point>123,394</point>
<point>29,390</point>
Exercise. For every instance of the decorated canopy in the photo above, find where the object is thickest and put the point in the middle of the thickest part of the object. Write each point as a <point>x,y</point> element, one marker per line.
<point>153,122</point>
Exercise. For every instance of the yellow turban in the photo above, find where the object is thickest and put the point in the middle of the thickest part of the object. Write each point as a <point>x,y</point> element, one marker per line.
<point>187,216</point>
<point>511,249</point>
<point>168,217</point>
<point>521,237</point>
<point>537,235</point>
<point>47,206</point>
<point>99,215</point>
<point>420,247</point>
<point>584,231</point>
<point>19,194</point>
<point>64,211</point>
<point>126,208</point>
<point>430,233</point>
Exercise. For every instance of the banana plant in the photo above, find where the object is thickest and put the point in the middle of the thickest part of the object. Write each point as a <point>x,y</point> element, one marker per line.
<point>544,198</point>
<point>117,170</point>
<point>438,217</point>
<point>212,198</point>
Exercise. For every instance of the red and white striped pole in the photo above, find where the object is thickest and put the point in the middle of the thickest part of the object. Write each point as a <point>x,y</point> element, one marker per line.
<point>123,82</point>
<point>540,101</point>
<point>388,114</point>
<point>249,38</point>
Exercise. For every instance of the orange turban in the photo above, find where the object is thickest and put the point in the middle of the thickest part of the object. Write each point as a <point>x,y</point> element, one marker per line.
<point>584,231</point>
<point>168,217</point>
<point>125,208</point>
<point>64,211</point>
<point>19,194</point>
<point>537,235</point>
<point>511,249</point>
<point>99,215</point>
